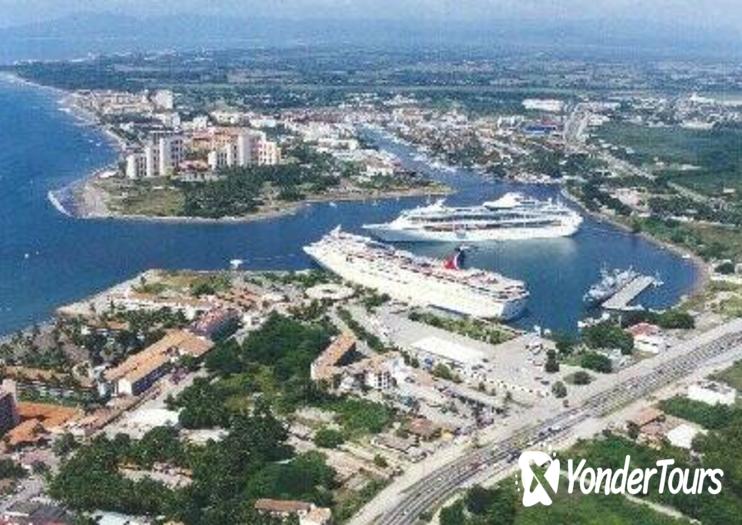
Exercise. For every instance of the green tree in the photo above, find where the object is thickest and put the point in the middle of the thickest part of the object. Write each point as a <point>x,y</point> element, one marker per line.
<point>580,377</point>
<point>565,343</point>
<point>504,505</point>
<point>632,430</point>
<point>552,365</point>
<point>597,362</point>
<point>727,268</point>
<point>559,390</point>
<point>328,438</point>
<point>64,444</point>
<point>442,371</point>
<point>380,461</point>
<point>607,334</point>
<point>9,469</point>
<point>453,515</point>
<point>478,499</point>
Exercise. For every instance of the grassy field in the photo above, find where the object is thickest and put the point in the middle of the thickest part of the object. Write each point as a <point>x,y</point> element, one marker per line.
<point>718,153</point>
<point>707,240</point>
<point>151,197</point>
<point>721,297</point>
<point>611,451</point>
<point>184,282</point>
<point>731,376</point>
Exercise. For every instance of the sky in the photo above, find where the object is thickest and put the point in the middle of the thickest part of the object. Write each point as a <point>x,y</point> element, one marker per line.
<point>710,14</point>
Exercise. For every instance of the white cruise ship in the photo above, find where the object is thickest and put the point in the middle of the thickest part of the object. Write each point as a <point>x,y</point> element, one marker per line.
<point>511,217</point>
<point>419,280</point>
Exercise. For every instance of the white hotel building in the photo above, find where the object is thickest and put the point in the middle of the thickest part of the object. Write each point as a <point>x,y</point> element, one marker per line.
<point>249,147</point>
<point>158,159</point>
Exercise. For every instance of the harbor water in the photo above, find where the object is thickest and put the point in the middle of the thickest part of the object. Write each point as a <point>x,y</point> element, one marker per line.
<point>48,259</point>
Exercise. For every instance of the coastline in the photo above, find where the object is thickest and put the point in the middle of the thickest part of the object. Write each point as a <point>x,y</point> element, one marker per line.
<point>702,269</point>
<point>703,274</point>
<point>65,101</point>
<point>697,284</point>
<point>89,202</point>
<point>66,105</point>
<point>80,200</point>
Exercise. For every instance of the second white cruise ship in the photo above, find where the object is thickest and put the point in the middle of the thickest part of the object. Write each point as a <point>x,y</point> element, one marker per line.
<point>511,217</point>
<point>419,280</point>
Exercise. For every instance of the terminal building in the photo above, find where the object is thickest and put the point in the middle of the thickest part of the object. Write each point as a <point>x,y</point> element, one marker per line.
<point>433,350</point>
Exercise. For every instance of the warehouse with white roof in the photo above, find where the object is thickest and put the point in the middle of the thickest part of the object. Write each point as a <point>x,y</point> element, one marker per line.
<point>437,350</point>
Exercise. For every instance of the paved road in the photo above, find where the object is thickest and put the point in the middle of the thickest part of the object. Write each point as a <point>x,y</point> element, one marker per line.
<point>438,486</point>
<point>29,488</point>
<point>575,126</point>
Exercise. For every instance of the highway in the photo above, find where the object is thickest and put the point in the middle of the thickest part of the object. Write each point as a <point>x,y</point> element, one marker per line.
<point>432,490</point>
<point>575,127</point>
<point>575,136</point>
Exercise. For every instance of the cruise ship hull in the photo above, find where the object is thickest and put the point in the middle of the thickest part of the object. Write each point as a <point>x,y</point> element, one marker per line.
<point>512,217</point>
<point>388,233</point>
<point>408,287</point>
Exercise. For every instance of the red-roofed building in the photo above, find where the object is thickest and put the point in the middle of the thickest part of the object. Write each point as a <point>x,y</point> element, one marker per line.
<point>648,338</point>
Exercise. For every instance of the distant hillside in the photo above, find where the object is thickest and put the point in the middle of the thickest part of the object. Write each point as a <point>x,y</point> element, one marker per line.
<point>91,32</point>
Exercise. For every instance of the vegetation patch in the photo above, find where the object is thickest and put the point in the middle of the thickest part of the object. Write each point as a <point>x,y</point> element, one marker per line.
<point>731,376</point>
<point>708,416</point>
<point>501,505</point>
<point>475,328</point>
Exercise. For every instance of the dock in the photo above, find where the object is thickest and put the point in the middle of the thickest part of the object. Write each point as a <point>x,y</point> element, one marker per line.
<point>621,299</point>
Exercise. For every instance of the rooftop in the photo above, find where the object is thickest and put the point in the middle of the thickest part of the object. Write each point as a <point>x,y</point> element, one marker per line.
<point>25,433</point>
<point>155,355</point>
<point>50,416</point>
<point>24,373</point>
<point>449,350</point>
<point>319,515</point>
<point>38,512</point>
<point>423,427</point>
<point>332,355</point>
<point>640,329</point>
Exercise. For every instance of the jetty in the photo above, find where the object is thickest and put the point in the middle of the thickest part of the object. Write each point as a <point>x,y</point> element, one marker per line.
<point>621,299</point>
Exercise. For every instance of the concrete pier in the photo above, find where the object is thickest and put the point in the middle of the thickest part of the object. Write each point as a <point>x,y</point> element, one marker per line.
<point>621,299</point>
